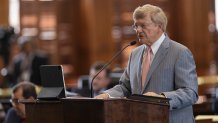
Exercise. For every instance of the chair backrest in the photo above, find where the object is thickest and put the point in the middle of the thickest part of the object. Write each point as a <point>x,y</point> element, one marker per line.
<point>83,82</point>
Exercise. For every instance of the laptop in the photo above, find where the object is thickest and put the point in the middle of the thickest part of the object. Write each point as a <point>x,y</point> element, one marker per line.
<point>52,80</point>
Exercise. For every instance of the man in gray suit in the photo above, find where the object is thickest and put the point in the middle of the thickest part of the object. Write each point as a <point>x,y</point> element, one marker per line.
<point>160,67</point>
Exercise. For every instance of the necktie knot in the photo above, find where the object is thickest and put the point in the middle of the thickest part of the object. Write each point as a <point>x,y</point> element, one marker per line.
<point>149,50</point>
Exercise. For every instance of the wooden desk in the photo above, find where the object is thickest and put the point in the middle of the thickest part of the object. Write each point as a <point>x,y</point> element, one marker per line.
<point>96,111</point>
<point>207,108</point>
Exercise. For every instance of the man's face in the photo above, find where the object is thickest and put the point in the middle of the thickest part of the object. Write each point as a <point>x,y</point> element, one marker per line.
<point>101,81</point>
<point>147,31</point>
<point>20,108</point>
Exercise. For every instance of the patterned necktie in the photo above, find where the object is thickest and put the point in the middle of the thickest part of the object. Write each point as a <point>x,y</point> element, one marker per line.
<point>146,64</point>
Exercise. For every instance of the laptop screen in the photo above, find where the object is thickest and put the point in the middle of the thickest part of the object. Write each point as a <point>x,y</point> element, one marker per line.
<point>52,79</point>
<point>52,76</point>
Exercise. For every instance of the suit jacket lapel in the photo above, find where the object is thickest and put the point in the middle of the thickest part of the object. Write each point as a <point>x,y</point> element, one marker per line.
<point>159,56</point>
<point>139,73</point>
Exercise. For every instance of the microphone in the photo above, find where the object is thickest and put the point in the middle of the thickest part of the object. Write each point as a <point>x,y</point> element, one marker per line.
<point>115,56</point>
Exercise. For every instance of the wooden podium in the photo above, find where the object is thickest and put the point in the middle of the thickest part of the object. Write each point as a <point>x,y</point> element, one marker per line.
<point>87,110</point>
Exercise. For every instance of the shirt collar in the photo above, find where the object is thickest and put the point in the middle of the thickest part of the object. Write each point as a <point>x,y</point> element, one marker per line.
<point>155,46</point>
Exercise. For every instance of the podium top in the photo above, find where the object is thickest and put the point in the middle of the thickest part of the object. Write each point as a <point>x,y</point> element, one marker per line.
<point>150,99</point>
<point>135,98</point>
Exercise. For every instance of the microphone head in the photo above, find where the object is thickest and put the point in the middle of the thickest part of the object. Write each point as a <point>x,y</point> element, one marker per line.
<point>132,43</point>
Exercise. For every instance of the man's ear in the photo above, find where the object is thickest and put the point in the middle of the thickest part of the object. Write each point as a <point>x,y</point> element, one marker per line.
<point>160,27</point>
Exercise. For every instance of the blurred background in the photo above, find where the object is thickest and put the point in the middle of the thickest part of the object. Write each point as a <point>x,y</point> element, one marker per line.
<point>77,33</point>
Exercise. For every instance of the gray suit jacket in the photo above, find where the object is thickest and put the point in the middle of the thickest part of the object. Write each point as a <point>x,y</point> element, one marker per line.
<point>172,73</point>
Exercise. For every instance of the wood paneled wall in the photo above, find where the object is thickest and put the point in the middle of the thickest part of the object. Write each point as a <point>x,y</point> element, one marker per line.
<point>89,27</point>
<point>98,18</point>
<point>4,12</point>
<point>191,29</point>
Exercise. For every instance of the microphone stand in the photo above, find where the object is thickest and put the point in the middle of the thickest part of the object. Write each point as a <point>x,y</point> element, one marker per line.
<point>115,56</point>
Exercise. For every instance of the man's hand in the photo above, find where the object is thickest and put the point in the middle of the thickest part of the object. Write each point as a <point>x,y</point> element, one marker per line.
<point>154,94</point>
<point>102,96</point>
